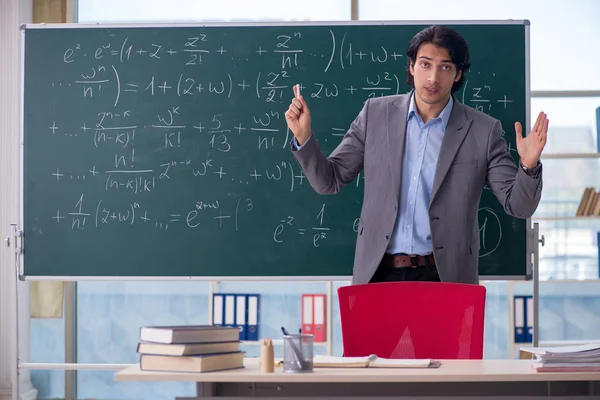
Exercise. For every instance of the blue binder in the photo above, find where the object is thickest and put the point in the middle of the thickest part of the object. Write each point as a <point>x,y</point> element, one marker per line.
<point>237,309</point>
<point>218,307</point>
<point>229,309</point>
<point>519,319</point>
<point>598,128</point>
<point>241,311</point>
<point>252,317</point>
<point>523,319</point>
<point>529,318</point>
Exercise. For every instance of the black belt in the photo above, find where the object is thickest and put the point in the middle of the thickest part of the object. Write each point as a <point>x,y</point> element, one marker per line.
<point>405,260</point>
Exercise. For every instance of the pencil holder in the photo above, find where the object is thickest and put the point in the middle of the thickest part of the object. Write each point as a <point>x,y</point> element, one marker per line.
<point>298,353</point>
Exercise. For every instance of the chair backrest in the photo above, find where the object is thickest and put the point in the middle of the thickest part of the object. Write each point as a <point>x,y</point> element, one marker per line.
<point>413,320</point>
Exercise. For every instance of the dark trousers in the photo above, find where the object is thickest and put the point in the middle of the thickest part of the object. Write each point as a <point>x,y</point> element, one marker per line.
<point>394,274</point>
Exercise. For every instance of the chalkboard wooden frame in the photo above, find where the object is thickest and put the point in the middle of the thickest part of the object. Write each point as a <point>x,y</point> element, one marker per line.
<point>43,274</point>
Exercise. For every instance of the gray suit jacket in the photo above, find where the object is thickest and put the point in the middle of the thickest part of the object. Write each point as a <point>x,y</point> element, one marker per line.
<point>473,153</point>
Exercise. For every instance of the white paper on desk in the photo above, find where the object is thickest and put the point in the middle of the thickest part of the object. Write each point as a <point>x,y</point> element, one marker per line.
<point>562,349</point>
<point>369,361</point>
<point>319,358</point>
<point>567,365</point>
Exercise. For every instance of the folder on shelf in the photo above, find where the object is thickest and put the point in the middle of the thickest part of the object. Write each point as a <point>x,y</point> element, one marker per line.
<point>314,311</point>
<point>252,316</point>
<point>218,310</point>
<point>240,314</point>
<point>229,316</point>
<point>519,319</point>
<point>307,313</point>
<point>319,329</point>
<point>529,318</point>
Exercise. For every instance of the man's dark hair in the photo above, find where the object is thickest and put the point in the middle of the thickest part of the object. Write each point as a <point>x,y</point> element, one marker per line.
<point>447,38</point>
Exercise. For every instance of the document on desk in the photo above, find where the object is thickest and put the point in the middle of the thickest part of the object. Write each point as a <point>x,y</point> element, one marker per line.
<point>372,361</point>
<point>566,358</point>
<point>580,349</point>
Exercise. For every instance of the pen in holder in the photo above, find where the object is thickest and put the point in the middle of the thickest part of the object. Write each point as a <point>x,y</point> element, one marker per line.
<point>298,353</point>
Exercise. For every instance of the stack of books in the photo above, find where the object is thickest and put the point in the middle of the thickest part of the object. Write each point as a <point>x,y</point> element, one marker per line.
<point>589,204</point>
<point>579,358</point>
<point>191,348</point>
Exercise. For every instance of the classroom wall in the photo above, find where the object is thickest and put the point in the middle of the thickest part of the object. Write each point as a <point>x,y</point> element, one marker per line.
<point>9,125</point>
<point>12,14</point>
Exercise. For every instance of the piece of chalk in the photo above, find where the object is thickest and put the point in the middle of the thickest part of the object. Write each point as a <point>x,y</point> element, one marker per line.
<point>297,90</point>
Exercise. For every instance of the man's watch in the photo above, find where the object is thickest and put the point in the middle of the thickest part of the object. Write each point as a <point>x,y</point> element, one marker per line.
<point>530,171</point>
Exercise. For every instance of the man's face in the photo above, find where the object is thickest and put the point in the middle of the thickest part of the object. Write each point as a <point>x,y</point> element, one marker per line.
<point>434,74</point>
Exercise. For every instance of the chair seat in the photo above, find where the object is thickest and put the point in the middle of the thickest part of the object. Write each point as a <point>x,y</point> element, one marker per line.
<point>437,320</point>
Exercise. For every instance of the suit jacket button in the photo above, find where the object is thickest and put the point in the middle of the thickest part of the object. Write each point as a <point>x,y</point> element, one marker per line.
<point>387,237</point>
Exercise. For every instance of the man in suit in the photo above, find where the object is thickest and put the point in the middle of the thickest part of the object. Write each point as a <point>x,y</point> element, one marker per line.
<point>426,159</point>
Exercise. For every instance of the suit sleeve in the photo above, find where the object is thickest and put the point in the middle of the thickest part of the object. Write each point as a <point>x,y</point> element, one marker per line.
<point>518,192</point>
<point>328,175</point>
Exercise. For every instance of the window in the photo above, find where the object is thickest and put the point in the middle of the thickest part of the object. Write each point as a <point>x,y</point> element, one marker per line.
<point>571,249</point>
<point>563,33</point>
<point>117,11</point>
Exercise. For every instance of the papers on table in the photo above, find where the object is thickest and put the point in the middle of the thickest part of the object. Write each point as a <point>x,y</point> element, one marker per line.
<point>584,357</point>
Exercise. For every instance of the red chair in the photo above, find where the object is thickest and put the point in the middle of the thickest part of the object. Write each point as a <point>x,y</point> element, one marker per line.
<point>413,320</point>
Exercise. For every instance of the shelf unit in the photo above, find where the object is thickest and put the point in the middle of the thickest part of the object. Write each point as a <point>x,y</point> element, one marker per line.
<point>562,156</point>
<point>568,156</point>
<point>513,346</point>
<point>567,218</point>
<point>213,288</point>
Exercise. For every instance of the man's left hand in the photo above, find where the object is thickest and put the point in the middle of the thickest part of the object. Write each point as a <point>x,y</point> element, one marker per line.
<point>530,147</point>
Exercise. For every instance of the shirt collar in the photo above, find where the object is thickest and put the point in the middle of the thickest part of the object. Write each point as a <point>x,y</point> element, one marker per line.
<point>444,115</point>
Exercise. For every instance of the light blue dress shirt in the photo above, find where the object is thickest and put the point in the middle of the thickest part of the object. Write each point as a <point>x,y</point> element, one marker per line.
<point>412,234</point>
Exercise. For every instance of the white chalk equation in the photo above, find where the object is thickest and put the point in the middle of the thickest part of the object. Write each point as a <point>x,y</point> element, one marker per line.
<point>317,233</point>
<point>283,174</point>
<point>225,213</point>
<point>255,87</point>
<point>480,94</point>
<point>490,231</point>
<point>104,69</point>
<point>209,213</point>
<point>287,48</point>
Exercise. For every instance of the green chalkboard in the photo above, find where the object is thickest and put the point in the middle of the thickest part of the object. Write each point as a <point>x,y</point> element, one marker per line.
<point>163,150</point>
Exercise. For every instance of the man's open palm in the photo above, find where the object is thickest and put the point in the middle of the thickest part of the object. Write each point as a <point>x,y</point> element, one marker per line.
<point>530,147</point>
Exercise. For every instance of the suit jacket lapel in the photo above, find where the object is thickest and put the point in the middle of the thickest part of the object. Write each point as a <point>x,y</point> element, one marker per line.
<point>396,133</point>
<point>458,126</point>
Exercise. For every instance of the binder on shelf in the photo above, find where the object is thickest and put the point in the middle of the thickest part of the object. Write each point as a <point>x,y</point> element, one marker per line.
<point>598,128</point>
<point>240,315</point>
<point>519,319</point>
<point>229,316</point>
<point>529,318</point>
<point>252,304</point>
<point>307,314</point>
<point>319,328</point>
<point>314,311</point>
<point>218,310</point>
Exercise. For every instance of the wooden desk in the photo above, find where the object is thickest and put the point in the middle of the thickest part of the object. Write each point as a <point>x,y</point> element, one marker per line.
<point>454,378</point>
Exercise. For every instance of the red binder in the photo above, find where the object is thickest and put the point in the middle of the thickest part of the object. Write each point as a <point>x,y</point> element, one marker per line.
<point>319,318</point>
<point>314,316</point>
<point>307,313</point>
